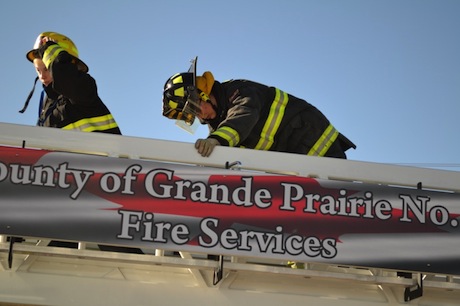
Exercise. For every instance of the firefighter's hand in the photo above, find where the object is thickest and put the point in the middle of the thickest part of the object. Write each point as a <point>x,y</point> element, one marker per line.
<point>44,40</point>
<point>206,146</point>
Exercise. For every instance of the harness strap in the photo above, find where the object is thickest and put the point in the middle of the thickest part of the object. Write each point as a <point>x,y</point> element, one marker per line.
<point>29,97</point>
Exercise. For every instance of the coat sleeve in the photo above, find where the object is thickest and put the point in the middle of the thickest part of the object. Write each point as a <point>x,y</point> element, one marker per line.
<point>242,116</point>
<point>78,86</point>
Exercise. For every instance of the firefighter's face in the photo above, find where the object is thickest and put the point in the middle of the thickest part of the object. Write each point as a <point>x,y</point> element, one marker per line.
<point>207,111</point>
<point>43,74</point>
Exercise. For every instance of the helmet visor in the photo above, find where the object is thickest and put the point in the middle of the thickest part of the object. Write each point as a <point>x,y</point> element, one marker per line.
<point>193,104</point>
<point>190,109</point>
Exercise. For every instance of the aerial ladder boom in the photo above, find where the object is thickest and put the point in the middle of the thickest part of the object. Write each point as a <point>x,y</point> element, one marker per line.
<point>218,230</point>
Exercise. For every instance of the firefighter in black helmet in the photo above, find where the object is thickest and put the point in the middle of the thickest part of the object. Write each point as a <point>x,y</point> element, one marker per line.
<point>69,99</point>
<point>243,113</point>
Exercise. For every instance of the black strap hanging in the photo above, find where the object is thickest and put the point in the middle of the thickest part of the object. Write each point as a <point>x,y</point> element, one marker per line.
<point>29,97</point>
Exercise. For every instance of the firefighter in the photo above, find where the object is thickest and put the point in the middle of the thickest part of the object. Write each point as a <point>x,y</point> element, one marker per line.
<point>243,113</point>
<point>69,98</point>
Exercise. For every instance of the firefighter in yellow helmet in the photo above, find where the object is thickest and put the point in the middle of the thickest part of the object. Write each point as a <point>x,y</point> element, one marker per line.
<point>69,99</point>
<point>243,113</point>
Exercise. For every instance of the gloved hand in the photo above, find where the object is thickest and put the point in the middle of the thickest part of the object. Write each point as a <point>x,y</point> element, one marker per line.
<point>206,146</point>
<point>45,39</point>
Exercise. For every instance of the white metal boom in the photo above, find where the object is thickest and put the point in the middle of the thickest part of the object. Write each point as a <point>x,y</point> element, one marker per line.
<point>44,275</point>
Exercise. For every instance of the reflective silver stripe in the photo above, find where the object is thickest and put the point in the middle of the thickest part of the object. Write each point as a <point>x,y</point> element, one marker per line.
<point>272,124</point>
<point>50,54</point>
<point>229,134</point>
<point>324,142</point>
<point>100,123</point>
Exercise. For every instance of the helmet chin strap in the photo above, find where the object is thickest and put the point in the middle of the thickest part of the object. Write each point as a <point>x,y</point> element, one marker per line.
<point>208,100</point>
<point>214,107</point>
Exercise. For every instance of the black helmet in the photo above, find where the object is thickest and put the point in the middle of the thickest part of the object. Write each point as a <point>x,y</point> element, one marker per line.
<point>183,93</point>
<point>181,98</point>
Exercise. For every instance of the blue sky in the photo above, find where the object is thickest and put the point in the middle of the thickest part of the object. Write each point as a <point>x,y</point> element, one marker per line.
<point>386,73</point>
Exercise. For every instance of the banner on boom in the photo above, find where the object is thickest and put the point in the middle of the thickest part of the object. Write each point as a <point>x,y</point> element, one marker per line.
<point>148,204</point>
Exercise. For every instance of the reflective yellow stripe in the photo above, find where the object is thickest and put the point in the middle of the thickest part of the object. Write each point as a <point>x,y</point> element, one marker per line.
<point>273,122</point>
<point>50,54</point>
<point>100,123</point>
<point>229,134</point>
<point>324,142</point>
<point>177,79</point>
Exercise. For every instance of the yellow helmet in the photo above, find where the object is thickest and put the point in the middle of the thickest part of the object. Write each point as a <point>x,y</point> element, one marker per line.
<point>63,41</point>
